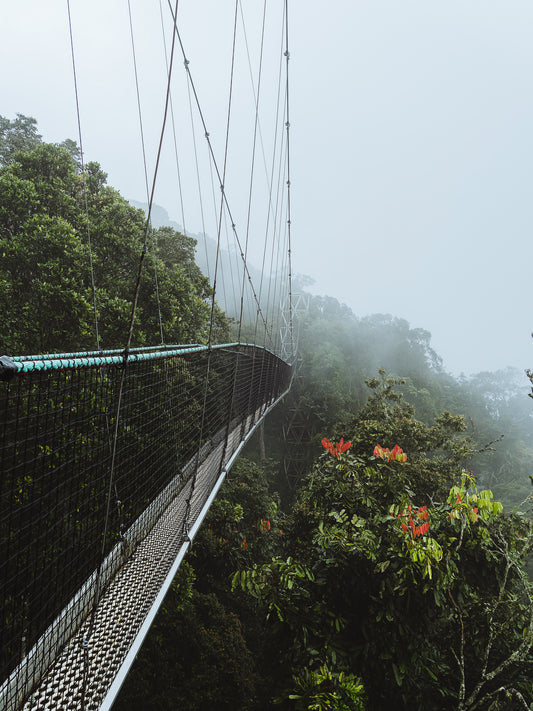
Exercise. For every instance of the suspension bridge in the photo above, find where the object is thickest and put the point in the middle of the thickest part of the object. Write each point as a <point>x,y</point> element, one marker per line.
<point>110,460</point>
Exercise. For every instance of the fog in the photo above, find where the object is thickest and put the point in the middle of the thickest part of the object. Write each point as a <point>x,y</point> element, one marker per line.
<point>411,138</point>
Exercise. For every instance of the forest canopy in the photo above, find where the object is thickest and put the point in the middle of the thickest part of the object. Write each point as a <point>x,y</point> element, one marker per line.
<point>360,557</point>
<point>70,247</point>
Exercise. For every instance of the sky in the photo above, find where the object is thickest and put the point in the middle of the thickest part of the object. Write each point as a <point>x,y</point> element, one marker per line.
<point>411,129</point>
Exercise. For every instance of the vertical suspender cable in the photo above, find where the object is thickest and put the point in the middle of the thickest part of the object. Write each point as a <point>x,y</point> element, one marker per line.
<point>256,119</point>
<point>144,163</point>
<point>111,483</point>
<point>85,671</point>
<point>219,177</point>
<point>84,180</point>
<point>288,125</point>
<point>213,303</point>
<point>178,171</point>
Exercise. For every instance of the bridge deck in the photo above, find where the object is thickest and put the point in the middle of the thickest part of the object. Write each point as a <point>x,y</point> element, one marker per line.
<point>90,670</point>
<point>89,550</point>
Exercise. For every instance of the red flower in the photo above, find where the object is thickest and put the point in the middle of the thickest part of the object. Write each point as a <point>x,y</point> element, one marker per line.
<point>343,446</point>
<point>327,445</point>
<point>424,528</point>
<point>336,449</point>
<point>408,521</point>
<point>423,513</point>
<point>397,453</point>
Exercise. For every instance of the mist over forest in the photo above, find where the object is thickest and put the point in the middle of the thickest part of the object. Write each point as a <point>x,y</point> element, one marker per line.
<point>370,549</point>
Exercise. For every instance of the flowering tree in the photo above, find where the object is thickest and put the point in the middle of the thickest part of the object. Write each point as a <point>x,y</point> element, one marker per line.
<point>425,601</point>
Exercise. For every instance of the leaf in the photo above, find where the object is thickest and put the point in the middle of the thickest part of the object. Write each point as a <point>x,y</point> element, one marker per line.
<point>431,673</point>
<point>397,676</point>
<point>382,567</point>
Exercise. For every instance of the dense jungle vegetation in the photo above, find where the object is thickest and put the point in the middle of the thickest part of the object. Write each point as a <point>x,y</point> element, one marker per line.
<point>358,555</point>
<point>46,291</point>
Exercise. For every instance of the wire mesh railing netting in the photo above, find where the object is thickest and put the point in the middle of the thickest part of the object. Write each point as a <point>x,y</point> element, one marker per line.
<point>66,501</point>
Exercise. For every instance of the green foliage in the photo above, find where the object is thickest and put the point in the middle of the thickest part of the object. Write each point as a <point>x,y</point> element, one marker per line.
<point>428,604</point>
<point>244,524</point>
<point>503,424</point>
<point>46,289</point>
<point>323,689</point>
<point>194,658</point>
<point>279,585</point>
<point>212,652</point>
<point>353,350</point>
<point>437,451</point>
<point>16,136</point>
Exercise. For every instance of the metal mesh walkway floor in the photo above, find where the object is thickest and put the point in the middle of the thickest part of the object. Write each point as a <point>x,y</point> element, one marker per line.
<point>88,673</point>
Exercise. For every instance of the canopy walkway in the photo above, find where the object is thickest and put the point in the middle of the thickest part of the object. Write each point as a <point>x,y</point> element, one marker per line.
<point>110,460</point>
<point>109,465</point>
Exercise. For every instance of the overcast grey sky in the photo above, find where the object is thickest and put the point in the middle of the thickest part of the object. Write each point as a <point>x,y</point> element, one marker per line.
<point>411,137</point>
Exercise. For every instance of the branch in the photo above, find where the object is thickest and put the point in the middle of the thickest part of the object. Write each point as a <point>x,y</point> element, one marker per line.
<point>461,661</point>
<point>513,693</point>
<point>518,655</point>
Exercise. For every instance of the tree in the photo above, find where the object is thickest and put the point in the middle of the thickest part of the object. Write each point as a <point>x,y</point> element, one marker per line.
<point>47,290</point>
<point>19,135</point>
<point>207,649</point>
<point>42,300</point>
<point>195,656</point>
<point>416,587</point>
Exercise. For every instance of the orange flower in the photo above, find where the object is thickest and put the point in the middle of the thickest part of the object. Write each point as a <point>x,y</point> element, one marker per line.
<point>327,445</point>
<point>379,451</point>
<point>408,521</point>
<point>423,513</point>
<point>397,453</point>
<point>421,530</point>
<point>336,449</point>
<point>244,545</point>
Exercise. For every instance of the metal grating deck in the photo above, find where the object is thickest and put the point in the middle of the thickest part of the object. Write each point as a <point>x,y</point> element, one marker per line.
<point>88,672</point>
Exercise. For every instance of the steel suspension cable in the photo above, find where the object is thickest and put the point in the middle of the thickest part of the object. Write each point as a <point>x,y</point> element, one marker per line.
<point>111,483</point>
<point>139,111</point>
<point>213,303</point>
<point>198,181</point>
<point>269,177</point>
<point>173,125</point>
<point>288,125</point>
<point>224,168</point>
<point>219,177</point>
<point>270,182</point>
<point>84,179</point>
<point>215,211</point>
<point>256,118</point>
<point>275,251</point>
<point>85,670</point>
<point>176,146</point>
